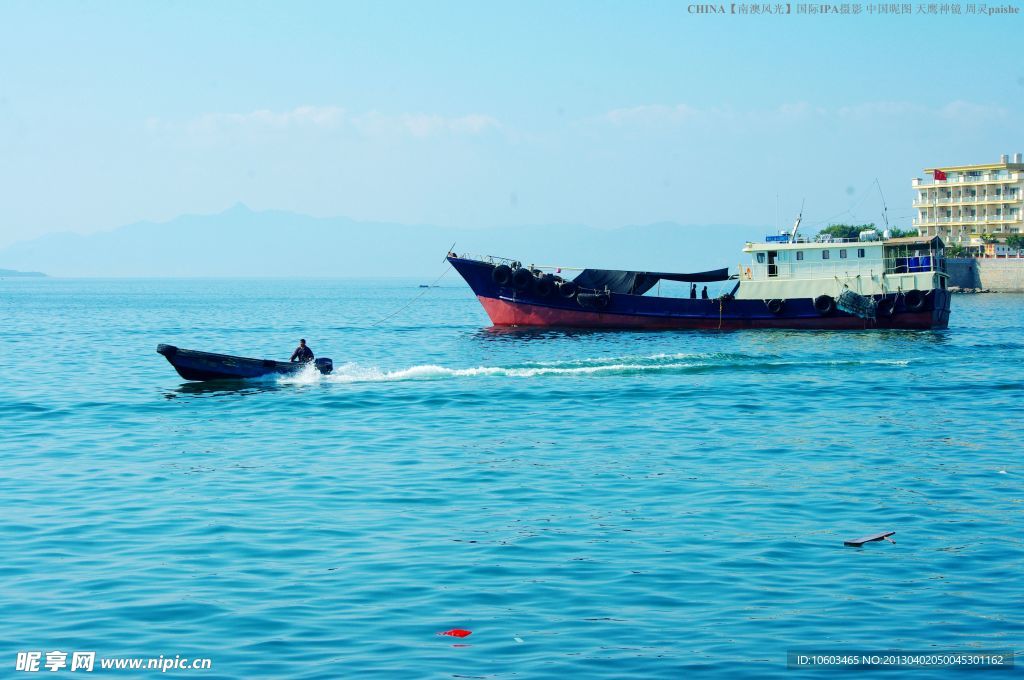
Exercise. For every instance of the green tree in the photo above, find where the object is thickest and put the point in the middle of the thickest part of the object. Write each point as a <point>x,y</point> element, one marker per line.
<point>1015,241</point>
<point>896,232</point>
<point>845,230</point>
<point>956,251</point>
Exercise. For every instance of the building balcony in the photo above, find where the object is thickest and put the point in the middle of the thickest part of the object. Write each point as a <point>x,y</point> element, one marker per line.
<point>968,200</point>
<point>968,220</point>
<point>960,180</point>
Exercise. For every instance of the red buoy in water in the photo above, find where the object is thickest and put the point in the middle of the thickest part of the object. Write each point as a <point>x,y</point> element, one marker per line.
<point>457,632</point>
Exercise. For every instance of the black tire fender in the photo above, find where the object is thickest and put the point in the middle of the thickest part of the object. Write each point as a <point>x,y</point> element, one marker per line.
<point>502,274</point>
<point>824,305</point>
<point>544,286</point>
<point>593,300</point>
<point>522,279</point>
<point>885,308</point>
<point>915,300</point>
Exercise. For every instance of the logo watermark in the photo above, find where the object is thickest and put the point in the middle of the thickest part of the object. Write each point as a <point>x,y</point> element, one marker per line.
<point>855,9</point>
<point>57,660</point>
<point>979,659</point>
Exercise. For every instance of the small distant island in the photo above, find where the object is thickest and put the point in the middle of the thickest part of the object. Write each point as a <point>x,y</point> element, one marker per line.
<point>15,272</point>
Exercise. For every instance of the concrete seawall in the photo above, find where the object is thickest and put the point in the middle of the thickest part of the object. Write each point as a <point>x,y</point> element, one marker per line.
<point>1002,275</point>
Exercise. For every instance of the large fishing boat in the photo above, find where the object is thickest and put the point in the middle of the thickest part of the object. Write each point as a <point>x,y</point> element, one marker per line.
<point>788,281</point>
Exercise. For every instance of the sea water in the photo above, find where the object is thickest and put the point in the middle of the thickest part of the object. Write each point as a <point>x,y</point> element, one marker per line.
<point>587,504</point>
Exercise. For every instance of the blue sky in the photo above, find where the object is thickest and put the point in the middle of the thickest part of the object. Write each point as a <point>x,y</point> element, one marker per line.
<point>486,114</point>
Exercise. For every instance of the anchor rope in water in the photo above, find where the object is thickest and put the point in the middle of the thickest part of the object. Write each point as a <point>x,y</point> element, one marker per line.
<point>412,301</point>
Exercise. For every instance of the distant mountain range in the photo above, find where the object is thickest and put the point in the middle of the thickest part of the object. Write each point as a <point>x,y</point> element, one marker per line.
<point>15,273</point>
<point>240,242</point>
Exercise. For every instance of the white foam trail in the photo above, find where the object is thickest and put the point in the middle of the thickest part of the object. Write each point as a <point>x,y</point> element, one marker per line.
<point>307,376</point>
<point>600,361</point>
<point>871,362</point>
<point>354,373</point>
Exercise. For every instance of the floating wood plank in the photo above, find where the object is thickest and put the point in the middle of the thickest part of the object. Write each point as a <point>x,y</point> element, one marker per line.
<point>858,542</point>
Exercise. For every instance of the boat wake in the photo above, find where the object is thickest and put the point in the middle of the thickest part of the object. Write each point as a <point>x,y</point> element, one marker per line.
<point>658,363</point>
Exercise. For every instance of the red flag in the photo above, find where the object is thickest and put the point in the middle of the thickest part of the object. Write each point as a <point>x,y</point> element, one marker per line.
<point>940,175</point>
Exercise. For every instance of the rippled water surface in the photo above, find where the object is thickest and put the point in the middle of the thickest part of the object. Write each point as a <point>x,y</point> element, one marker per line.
<point>609,504</point>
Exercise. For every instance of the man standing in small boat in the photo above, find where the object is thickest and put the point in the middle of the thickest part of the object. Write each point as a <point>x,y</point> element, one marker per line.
<point>302,352</point>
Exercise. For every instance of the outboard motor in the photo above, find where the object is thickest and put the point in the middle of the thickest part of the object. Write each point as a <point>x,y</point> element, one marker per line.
<point>324,365</point>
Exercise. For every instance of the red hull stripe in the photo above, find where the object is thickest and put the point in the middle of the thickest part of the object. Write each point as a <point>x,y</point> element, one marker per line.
<point>505,313</point>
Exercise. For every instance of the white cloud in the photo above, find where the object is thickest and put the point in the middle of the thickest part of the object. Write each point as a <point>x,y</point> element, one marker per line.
<point>372,123</point>
<point>878,109</point>
<point>682,114</point>
<point>652,114</point>
<point>312,116</point>
<point>959,110</point>
<point>424,125</point>
<point>963,110</point>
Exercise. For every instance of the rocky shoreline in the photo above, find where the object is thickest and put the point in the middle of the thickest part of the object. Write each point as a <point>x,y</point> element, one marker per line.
<point>971,291</point>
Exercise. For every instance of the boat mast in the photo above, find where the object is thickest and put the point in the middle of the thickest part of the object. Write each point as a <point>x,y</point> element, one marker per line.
<point>885,208</point>
<point>796,225</point>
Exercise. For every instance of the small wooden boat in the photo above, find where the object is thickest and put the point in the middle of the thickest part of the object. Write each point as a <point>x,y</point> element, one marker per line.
<point>195,365</point>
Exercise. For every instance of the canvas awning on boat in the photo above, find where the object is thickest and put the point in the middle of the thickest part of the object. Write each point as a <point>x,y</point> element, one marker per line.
<point>933,241</point>
<point>638,283</point>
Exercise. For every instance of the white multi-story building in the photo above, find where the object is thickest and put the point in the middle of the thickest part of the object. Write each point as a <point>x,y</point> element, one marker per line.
<point>962,204</point>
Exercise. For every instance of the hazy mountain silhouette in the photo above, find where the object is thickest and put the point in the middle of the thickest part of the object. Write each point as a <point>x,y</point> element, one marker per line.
<point>241,242</point>
<point>13,273</point>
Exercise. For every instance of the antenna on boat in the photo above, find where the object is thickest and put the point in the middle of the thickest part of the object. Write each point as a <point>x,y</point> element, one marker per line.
<point>885,208</point>
<point>796,225</point>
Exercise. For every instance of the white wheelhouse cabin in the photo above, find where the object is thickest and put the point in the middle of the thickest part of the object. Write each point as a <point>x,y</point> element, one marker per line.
<point>803,268</point>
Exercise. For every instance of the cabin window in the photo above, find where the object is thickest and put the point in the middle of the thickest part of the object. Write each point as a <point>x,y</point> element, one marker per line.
<point>760,258</point>
<point>799,254</point>
<point>860,252</point>
<point>842,254</point>
<point>824,254</point>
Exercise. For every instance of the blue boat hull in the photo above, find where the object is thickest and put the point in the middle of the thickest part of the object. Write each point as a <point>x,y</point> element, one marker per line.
<point>508,306</point>
<point>195,365</point>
